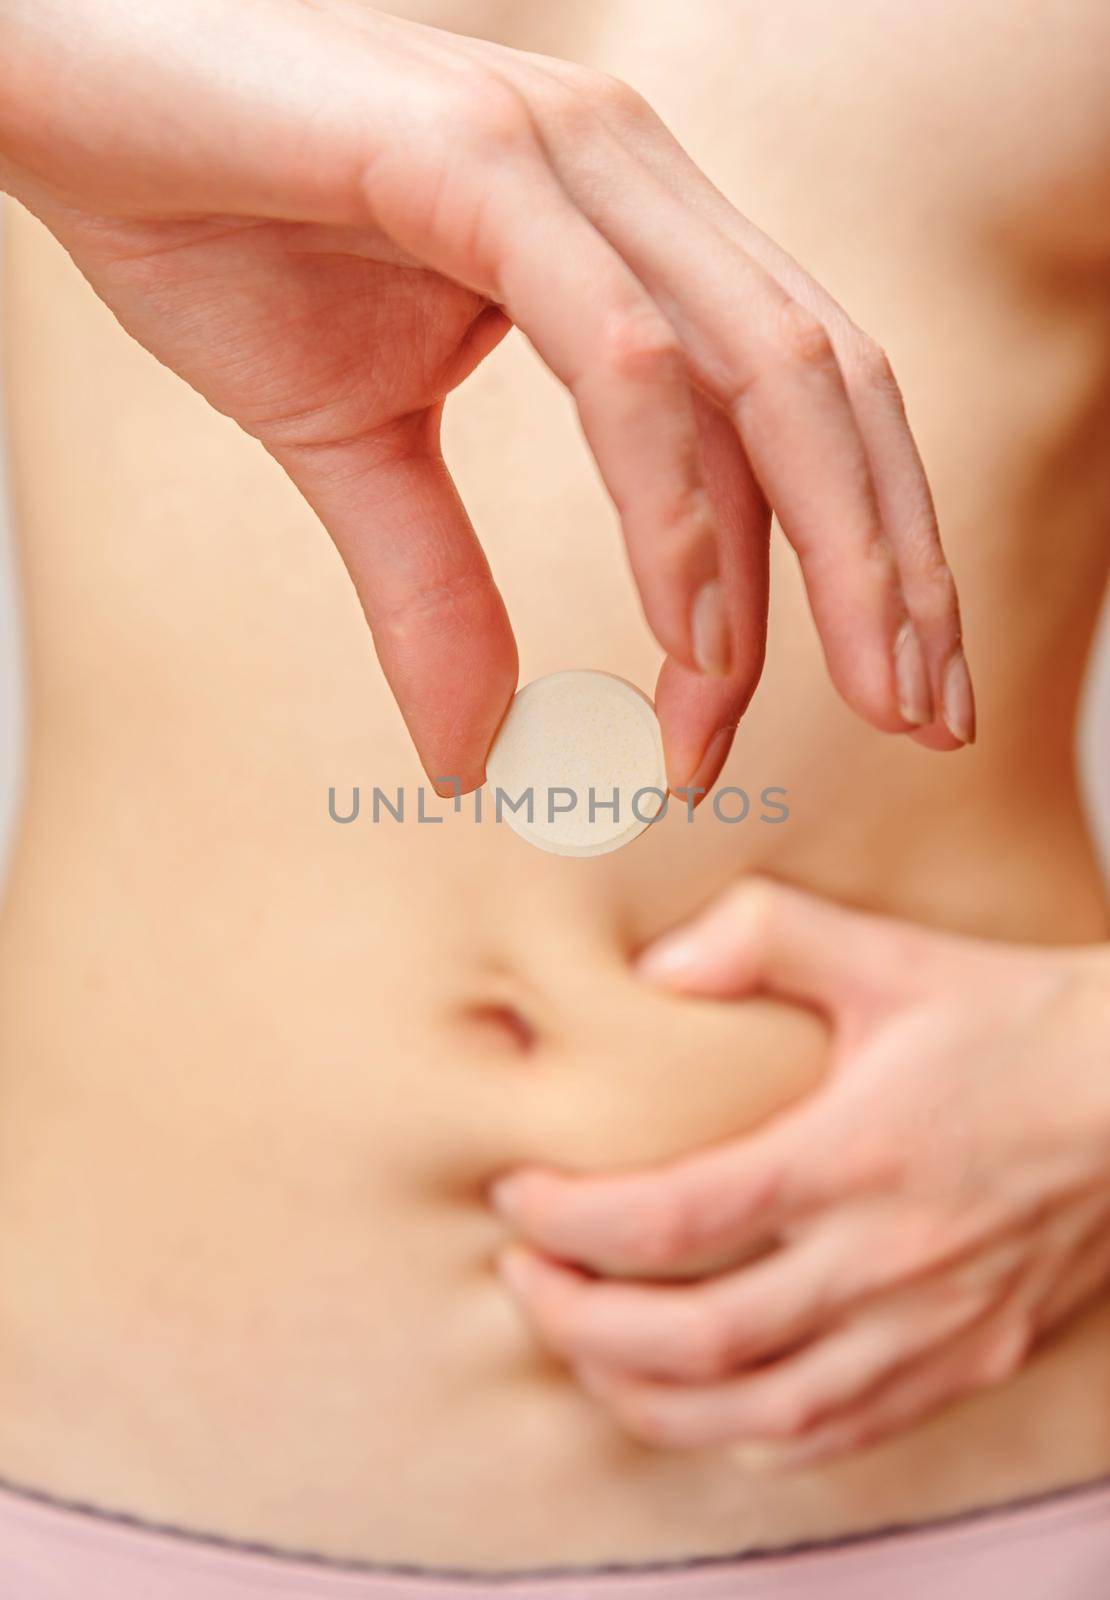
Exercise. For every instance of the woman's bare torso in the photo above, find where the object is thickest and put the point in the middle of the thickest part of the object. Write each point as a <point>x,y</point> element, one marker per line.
<point>254,1067</point>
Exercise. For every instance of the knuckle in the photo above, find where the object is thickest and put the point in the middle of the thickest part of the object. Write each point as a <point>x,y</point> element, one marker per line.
<point>685,525</point>
<point>803,337</point>
<point>565,103</point>
<point>933,592</point>
<point>578,95</point>
<point>613,95</point>
<point>496,118</point>
<point>871,365</point>
<point>640,345</point>
<point>455,599</point>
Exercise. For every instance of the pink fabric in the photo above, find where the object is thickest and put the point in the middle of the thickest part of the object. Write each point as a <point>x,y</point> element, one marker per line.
<point>1056,1548</point>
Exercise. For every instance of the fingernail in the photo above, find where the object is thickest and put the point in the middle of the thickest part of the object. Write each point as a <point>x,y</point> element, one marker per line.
<point>669,959</point>
<point>915,699</point>
<point>707,771</point>
<point>959,700</point>
<point>710,631</point>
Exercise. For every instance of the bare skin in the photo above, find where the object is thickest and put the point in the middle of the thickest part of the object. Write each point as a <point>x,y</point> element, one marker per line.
<point>906,1234</point>
<point>257,1068</point>
<point>326,247</point>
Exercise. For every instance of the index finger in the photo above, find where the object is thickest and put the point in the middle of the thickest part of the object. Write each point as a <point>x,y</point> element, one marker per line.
<point>769,363</point>
<point>932,684</point>
<point>664,1220</point>
<point>524,244</point>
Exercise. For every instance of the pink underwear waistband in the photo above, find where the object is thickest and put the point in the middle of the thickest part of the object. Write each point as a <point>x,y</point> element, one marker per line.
<point>1052,1548</point>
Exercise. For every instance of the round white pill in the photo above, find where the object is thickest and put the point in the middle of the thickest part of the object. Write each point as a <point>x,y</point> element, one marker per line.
<point>577,766</point>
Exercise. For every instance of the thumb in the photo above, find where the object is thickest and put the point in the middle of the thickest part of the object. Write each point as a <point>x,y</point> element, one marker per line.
<point>439,624</point>
<point>762,937</point>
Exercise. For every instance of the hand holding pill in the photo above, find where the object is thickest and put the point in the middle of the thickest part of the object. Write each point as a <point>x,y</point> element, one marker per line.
<point>327,249</point>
